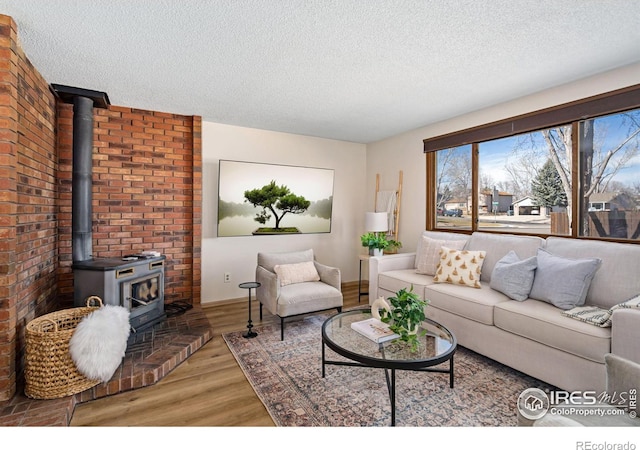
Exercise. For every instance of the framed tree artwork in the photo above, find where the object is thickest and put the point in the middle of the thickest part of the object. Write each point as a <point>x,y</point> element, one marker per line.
<point>269,199</point>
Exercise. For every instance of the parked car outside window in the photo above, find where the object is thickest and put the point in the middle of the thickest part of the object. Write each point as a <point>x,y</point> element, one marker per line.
<point>457,212</point>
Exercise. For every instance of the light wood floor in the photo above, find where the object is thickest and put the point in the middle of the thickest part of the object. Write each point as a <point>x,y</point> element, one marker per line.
<point>208,389</point>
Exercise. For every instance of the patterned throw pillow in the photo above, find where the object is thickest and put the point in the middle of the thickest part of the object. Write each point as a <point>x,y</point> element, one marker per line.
<point>428,256</point>
<point>461,267</point>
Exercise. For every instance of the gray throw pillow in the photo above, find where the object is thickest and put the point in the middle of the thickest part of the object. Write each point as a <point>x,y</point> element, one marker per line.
<point>513,276</point>
<point>563,282</point>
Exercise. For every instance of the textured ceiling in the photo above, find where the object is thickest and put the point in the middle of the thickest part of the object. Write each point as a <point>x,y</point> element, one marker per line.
<point>354,70</point>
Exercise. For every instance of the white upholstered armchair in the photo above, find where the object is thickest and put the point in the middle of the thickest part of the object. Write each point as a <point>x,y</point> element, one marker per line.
<point>294,283</point>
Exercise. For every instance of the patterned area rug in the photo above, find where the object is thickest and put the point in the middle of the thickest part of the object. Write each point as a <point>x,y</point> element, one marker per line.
<point>287,377</point>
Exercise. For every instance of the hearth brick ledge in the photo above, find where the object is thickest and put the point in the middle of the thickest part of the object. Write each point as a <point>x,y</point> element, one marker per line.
<point>149,358</point>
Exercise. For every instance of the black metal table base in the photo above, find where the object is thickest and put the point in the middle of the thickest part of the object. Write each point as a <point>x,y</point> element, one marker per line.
<point>249,285</point>
<point>391,379</point>
<point>250,333</point>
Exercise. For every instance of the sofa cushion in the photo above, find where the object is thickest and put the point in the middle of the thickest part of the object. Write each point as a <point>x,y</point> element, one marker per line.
<point>617,278</point>
<point>513,276</point>
<point>498,245</point>
<point>429,257</point>
<point>563,282</point>
<point>544,323</point>
<point>394,280</point>
<point>473,304</point>
<point>461,267</point>
<point>300,298</point>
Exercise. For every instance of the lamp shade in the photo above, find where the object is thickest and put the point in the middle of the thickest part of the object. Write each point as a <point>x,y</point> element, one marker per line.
<point>376,221</point>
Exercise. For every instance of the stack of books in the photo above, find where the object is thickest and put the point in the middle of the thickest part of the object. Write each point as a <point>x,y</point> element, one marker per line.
<point>375,330</point>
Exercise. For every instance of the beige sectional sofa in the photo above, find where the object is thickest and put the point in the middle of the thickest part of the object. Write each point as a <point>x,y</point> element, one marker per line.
<point>531,335</point>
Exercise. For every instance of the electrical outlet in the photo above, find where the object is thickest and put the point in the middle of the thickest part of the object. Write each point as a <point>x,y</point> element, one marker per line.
<point>227,277</point>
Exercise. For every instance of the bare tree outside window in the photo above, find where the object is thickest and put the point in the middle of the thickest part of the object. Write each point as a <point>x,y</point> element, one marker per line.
<point>453,187</point>
<point>608,146</point>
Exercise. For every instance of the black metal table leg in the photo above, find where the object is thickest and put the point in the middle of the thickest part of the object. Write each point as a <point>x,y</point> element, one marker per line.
<point>391,387</point>
<point>451,372</point>
<point>361,293</point>
<point>393,397</point>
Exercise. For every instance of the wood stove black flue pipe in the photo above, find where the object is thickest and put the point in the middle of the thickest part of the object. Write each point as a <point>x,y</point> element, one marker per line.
<point>81,182</point>
<point>83,101</point>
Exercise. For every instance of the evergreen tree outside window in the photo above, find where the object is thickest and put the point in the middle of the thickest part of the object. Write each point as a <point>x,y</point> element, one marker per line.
<point>547,189</point>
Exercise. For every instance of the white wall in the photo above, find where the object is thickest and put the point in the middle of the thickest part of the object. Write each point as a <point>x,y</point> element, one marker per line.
<point>405,151</point>
<point>237,255</point>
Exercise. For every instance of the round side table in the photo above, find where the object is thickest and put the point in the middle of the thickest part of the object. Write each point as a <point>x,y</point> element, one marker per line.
<point>249,285</point>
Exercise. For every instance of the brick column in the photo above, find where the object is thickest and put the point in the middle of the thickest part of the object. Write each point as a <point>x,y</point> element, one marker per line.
<point>8,205</point>
<point>196,132</point>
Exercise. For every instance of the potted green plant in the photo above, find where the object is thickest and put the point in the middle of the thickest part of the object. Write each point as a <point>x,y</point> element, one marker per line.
<point>404,313</point>
<point>377,243</point>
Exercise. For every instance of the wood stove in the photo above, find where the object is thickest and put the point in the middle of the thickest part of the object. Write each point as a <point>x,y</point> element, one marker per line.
<point>136,284</point>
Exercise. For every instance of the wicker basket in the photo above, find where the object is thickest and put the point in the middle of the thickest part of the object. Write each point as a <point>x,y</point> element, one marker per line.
<point>49,370</point>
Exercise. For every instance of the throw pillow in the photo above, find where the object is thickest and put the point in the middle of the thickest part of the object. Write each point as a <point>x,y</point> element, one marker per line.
<point>513,276</point>
<point>296,273</point>
<point>563,282</point>
<point>428,256</point>
<point>461,267</point>
<point>99,342</point>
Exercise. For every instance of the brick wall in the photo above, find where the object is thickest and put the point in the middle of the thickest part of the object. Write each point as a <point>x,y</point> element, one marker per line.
<point>28,227</point>
<point>146,192</point>
<point>147,195</point>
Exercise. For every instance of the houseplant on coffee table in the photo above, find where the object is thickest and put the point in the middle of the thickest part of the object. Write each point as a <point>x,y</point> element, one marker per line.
<point>404,313</point>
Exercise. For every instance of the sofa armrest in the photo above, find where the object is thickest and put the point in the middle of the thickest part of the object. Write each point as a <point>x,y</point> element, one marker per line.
<point>269,289</point>
<point>329,275</point>
<point>385,263</point>
<point>625,333</point>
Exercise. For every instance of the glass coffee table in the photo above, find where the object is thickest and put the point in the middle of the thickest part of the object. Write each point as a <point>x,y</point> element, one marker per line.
<point>435,348</point>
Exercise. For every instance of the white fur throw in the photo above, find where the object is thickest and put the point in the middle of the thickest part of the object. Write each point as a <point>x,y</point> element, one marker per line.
<point>98,344</point>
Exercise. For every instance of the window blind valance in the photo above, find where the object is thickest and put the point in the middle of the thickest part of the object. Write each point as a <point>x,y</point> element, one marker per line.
<point>599,105</point>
